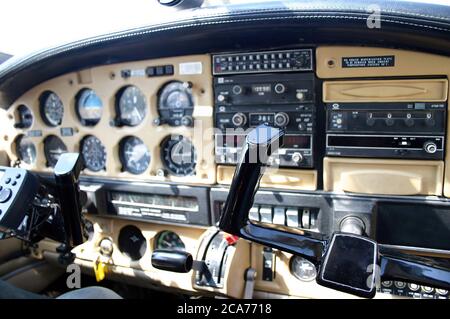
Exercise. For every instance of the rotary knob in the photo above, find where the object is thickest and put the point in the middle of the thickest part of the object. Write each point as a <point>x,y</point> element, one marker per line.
<point>297,158</point>
<point>186,120</point>
<point>430,147</point>
<point>352,225</point>
<point>389,121</point>
<point>281,119</point>
<point>370,121</point>
<point>237,89</point>
<point>239,119</point>
<point>409,122</point>
<point>279,88</point>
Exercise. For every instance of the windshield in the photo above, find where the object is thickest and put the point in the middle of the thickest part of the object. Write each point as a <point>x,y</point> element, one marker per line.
<point>30,25</point>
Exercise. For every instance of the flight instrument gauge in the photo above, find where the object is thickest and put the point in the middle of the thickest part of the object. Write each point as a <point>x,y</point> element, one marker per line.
<point>25,149</point>
<point>178,155</point>
<point>131,106</point>
<point>53,148</point>
<point>51,108</point>
<point>93,153</point>
<point>176,104</point>
<point>169,240</point>
<point>134,155</point>
<point>89,107</point>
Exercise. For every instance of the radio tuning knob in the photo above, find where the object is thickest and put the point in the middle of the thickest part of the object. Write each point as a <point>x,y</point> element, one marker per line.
<point>237,89</point>
<point>389,121</point>
<point>281,119</point>
<point>370,121</point>
<point>409,122</point>
<point>221,98</point>
<point>239,119</point>
<point>430,147</point>
<point>297,157</point>
<point>279,88</point>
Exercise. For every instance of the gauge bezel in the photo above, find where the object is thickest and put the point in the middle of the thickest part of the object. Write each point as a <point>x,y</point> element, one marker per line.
<point>166,233</point>
<point>165,145</point>
<point>17,142</point>
<point>49,163</point>
<point>105,153</point>
<point>42,99</point>
<point>166,118</point>
<point>119,121</point>
<point>122,157</point>
<point>86,122</point>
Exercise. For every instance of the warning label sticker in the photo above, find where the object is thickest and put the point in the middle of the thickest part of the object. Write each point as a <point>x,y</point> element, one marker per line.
<point>368,61</point>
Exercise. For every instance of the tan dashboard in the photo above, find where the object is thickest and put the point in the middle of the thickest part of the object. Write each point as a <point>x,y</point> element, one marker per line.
<point>415,77</point>
<point>107,82</point>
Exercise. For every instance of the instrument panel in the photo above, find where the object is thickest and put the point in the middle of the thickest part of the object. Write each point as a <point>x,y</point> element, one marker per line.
<point>127,123</point>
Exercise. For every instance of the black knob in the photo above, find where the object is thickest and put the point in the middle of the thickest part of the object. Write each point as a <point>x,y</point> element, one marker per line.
<point>239,119</point>
<point>429,121</point>
<point>170,260</point>
<point>370,121</point>
<point>389,121</point>
<point>301,126</point>
<point>409,122</point>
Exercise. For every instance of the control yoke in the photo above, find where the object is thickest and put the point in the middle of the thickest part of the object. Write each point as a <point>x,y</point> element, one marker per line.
<point>346,262</point>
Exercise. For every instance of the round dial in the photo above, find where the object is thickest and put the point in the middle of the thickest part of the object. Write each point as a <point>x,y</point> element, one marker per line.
<point>93,153</point>
<point>134,155</point>
<point>178,155</point>
<point>169,240</point>
<point>303,269</point>
<point>53,148</point>
<point>132,243</point>
<point>52,109</point>
<point>89,107</point>
<point>25,149</point>
<point>131,106</point>
<point>176,104</point>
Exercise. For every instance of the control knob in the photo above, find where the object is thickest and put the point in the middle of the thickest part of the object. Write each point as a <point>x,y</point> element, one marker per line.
<point>237,89</point>
<point>352,225</point>
<point>430,147</point>
<point>106,247</point>
<point>409,122</point>
<point>281,119</point>
<point>370,121</point>
<point>297,158</point>
<point>239,119</point>
<point>279,88</point>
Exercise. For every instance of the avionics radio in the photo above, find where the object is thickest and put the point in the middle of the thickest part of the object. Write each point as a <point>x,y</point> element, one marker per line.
<point>274,93</point>
<point>412,130</point>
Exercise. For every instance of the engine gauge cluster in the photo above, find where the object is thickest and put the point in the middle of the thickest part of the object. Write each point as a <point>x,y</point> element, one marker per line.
<point>176,104</point>
<point>134,155</point>
<point>178,155</point>
<point>93,153</point>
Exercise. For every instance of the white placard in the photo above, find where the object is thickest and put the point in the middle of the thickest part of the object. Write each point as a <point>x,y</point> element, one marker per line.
<point>191,68</point>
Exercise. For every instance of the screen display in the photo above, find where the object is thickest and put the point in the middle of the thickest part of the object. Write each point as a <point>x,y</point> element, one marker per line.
<point>422,226</point>
<point>349,262</point>
<point>297,141</point>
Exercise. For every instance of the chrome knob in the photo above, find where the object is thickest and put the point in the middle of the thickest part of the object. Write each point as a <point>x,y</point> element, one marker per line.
<point>281,119</point>
<point>430,147</point>
<point>239,119</point>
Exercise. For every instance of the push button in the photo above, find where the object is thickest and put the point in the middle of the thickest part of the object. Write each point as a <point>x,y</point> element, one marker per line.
<point>278,215</point>
<point>292,217</point>
<point>5,194</point>
<point>266,214</point>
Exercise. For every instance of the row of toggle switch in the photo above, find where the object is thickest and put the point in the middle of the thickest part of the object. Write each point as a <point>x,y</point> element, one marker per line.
<point>305,218</point>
